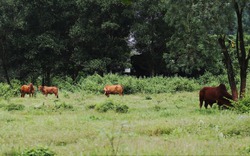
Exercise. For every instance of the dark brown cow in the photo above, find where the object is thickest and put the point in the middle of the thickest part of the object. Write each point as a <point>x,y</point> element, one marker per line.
<point>217,95</point>
<point>113,89</point>
<point>48,90</point>
<point>27,89</point>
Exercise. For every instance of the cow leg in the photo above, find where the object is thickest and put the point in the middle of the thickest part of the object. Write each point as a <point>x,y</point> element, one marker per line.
<point>206,104</point>
<point>201,103</point>
<point>211,105</point>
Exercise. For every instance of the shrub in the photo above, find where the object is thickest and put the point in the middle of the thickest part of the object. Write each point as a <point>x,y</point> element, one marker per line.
<point>121,108</point>
<point>209,79</point>
<point>38,152</point>
<point>90,106</point>
<point>104,107</point>
<point>5,91</point>
<point>66,83</point>
<point>242,105</point>
<point>148,98</point>
<point>63,105</point>
<point>110,105</point>
<point>12,107</point>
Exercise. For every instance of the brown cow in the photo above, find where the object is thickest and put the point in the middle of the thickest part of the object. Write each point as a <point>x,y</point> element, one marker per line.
<point>217,95</point>
<point>113,89</point>
<point>27,89</point>
<point>48,90</point>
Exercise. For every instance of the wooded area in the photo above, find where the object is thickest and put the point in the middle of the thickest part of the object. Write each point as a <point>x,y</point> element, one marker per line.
<point>43,39</point>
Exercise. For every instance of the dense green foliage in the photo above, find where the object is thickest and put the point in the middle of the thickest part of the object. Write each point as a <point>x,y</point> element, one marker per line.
<point>58,38</point>
<point>41,151</point>
<point>243,105</point>
<point>95,84</point>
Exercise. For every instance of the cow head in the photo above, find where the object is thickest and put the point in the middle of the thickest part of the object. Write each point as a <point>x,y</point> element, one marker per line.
<point>40,88</point>
<point>106,91</point>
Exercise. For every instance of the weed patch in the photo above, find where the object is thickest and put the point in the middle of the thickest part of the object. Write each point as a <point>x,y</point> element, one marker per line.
<point>121,108</point>
<point>64,106</point>
<point>40,151</point>
<point>242,105</point>
<point>157,130</point>
<point>110,105</point>
<point>90,106</point>
<point>12,107</point>
<point>104,107</point>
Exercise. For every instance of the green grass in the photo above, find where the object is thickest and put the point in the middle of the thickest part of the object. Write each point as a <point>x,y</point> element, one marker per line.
<point>155,124</point>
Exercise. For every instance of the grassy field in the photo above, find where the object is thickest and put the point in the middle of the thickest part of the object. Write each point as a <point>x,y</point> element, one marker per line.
<point>158,124</point>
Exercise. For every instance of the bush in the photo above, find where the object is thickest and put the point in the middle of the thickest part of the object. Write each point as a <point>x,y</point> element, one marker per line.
<point>12,107</point>
<point>110,105</point>
<point>67,83</point>
<point>121,108</point>
<point>38,152</point>
<point>63,105</point>
<point>5,91</point>
<point>242,105</point>
<point>153,85</point>
<point>104,107</point>
<point>90,106</point>
<point>209,79</point>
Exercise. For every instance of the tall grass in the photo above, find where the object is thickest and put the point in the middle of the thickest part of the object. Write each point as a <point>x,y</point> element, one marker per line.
<point>95,84</point>
<point>157,116</point>
<point>153,85</point>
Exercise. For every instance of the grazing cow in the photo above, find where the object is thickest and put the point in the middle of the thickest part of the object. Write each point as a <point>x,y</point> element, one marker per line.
<point>113,89</point>
<point>48,90</point>
<point>217,95</point>
<point>27,89</point>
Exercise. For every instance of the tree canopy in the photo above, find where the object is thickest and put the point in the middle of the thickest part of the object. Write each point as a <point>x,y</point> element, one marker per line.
<point>43,39</point>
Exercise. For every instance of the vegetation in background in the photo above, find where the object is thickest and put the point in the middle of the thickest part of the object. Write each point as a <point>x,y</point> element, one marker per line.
<point>242,105</point>
<point>95,83</point>
<point>45,40</point>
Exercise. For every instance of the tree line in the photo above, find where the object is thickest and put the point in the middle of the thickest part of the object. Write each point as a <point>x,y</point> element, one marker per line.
<point>47,38</point>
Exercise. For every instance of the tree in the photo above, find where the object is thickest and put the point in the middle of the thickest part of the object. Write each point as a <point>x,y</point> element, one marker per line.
<point>216,18</point>
<point>242,55</point>
<point>47,36</point>
<point>150,33</point>
<point>192,49</point>
<point>100,36</point>
<point>11,23</point>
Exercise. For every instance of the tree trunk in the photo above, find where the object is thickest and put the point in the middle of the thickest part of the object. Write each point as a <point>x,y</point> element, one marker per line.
<point>243,59</point>
<point>46,77</point>
<point>6,73</point>
<point>5,69</point>
<point>243,84</point>
<point>229,67</point>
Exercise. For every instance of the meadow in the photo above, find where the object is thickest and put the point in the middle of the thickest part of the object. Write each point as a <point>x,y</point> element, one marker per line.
<point>161,122</point>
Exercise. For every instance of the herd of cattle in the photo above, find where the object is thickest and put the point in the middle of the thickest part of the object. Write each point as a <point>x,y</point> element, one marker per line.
<point>29,89</point>
<point>209,95</point>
